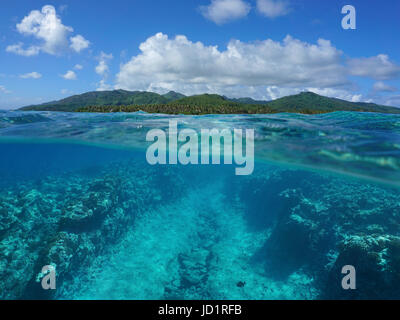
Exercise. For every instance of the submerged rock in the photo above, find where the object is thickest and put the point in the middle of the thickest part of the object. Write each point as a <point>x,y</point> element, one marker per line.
<point>67,220</point>
<point>322,224</point>
<point>298,238</point>
<point>377,264</point>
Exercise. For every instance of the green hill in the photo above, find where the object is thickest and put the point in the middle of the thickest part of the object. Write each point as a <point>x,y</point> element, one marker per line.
<point>305,102</point>
<point>203,100</point>
<point>176,103</point>
<point>247,100</point>
<point>102,98</point>
<point>309,102</point>
<point>172,95</point>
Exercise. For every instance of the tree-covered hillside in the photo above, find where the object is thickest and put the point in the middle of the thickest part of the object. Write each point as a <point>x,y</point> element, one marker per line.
<point>247,100</point>
<point>172,95</point>
<point>103,98</point>
<point>309,102</point>
<point>176,103</point>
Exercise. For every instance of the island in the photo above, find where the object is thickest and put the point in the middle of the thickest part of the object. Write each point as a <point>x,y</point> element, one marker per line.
<point>176,103</point>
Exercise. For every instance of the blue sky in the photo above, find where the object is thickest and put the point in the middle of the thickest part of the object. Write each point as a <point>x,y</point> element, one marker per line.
<point>258,48</point>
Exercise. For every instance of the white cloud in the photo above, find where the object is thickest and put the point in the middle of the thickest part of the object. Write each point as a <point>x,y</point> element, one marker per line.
<point>79,43</point>
<point>103,86</point>
<point>17,49</point>
<point>382,87</point>
<point>102,68</point>
<point>222,11</point>
<point>46,27</point>
<point>343,94</point>
<point>31,75</point>
<point>78,67</point>
<point>242,69</point>
<point>69,75</point>
<point>379,67</point>
<point>273,8</point>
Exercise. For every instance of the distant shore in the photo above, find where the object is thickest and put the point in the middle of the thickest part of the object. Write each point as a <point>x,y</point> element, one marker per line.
<point>197,110</point>
<point>176,103</point>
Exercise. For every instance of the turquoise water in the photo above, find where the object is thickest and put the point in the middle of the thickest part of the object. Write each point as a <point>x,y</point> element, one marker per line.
<point>76,192</point>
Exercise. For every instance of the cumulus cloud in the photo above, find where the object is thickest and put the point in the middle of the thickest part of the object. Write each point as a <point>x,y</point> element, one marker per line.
<point>382,87</point>
<point>69,75</point>
<point>78,67</point>
<point>223,11</point>
<point>243,68</point>
<point>102,69</point>
<point>31,75</point>
<point>343,94</point>
<point>103,86</point>
<point>46,27</point>
<point>17,49</point>
<point>379,67</point>
<point>273,8</point>
<point>79,43</point>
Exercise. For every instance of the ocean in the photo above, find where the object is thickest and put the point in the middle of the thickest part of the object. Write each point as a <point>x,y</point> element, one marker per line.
<point>77,193</point>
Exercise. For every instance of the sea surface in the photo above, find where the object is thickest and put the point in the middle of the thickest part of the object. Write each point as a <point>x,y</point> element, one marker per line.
<point>77,193</point>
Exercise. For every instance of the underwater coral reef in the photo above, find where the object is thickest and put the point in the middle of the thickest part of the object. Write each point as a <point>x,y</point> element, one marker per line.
<point>133,232</point>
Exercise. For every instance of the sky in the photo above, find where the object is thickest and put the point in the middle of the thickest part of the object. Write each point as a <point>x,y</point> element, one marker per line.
<point>264,49</point>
